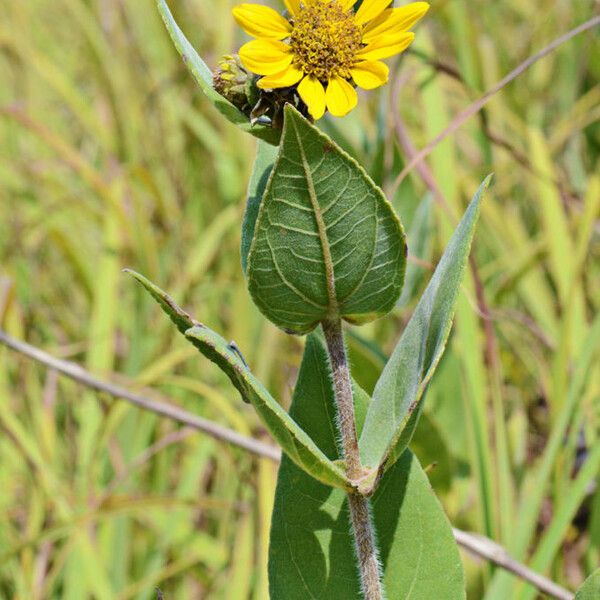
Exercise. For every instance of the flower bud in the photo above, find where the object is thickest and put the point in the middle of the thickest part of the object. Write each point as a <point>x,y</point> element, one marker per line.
<point>235,83</point>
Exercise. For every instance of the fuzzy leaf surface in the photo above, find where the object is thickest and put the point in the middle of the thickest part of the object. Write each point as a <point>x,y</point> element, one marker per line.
<point>327,243</point>
<point>203,76</point>
<point>311,553</point>
<point>294,441</point>
<point>397,397</point>
<point>590,590</point>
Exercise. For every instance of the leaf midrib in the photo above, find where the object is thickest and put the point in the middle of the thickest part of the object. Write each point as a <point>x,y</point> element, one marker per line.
<point>322,230</point>
<point>334,306</point>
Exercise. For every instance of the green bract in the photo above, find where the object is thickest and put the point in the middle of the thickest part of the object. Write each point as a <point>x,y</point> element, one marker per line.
<point>327,244</point>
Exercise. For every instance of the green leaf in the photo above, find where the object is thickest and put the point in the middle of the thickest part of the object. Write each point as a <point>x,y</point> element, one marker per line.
<point>293,440</point>
<point>182,320</point>
<point>203,76</point>
<point>327,243</point>
<point>263,165</point>
<point>396,404</point>
<point>311,553</point>
<point>590,590</point>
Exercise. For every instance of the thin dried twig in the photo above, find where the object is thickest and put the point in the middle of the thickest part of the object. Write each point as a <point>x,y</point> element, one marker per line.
<point>481,102</point>
<point>473,543</point>
<point>490,550</point>
<point>165,409</point>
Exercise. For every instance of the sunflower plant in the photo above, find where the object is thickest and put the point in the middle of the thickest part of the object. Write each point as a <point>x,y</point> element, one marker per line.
<point>323,250</point>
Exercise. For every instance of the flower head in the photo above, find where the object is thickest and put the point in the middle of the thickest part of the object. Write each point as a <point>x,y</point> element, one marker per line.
<point>325,48</point>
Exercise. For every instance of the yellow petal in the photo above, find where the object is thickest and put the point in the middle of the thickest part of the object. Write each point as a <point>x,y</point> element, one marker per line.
<point>384,46</point>
<point>370,74</point>
<point>265,57</point>
<point>395,20</point>
<point>261,21</point>
<point>286,78</point>
<point>313,95</point>
<point>341,97</point>
<point>293,6</point>
<point>347,4</point>
<point>370,9</point>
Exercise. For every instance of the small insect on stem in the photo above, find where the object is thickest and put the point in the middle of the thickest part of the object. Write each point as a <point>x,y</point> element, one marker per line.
<point>235,349</point>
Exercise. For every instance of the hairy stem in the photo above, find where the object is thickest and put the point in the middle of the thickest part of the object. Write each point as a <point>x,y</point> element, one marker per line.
<point>360,515</point>
<point>366,550</point>
<point>343,396</point>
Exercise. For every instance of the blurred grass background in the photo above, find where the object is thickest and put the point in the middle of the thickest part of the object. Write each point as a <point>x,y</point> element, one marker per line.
<point>110,158</point>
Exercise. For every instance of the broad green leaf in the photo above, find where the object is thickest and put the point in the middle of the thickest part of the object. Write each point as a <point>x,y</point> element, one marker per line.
<point>263,165</point>
<point>327,243</point>
<point>590,590</point>
<point>311,554</point>
<point>293,440</point>
<point>396,404</point>
<point>203,76</point>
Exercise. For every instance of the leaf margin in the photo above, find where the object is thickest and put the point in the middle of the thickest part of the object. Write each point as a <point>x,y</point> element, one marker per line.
<point>298,446</point>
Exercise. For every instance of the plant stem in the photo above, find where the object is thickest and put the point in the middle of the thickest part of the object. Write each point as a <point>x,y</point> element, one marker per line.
<point>366,550</point>
<point>360,515</point>
<point>343,396</point>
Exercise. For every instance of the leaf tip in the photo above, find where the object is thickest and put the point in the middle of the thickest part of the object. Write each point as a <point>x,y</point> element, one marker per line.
<point>292,114</point>
<point>475,204</point>
<point>483,186</point>
<point>137,276</point>
<point>488,180</point>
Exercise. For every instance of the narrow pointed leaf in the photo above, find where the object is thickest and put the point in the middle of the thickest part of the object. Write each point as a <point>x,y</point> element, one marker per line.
<point>590,590</point>
<point>398,394</point>
<point>203,76</point>
<point>327,243</point>
<point>263,165</point>
<point>182,320</point>
<point>293,440</point>
<point>311,553</point>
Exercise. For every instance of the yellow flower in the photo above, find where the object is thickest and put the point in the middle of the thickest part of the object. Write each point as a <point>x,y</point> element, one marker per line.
<point>323,47</point>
